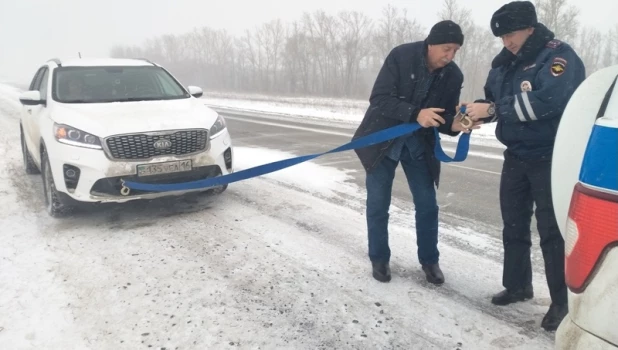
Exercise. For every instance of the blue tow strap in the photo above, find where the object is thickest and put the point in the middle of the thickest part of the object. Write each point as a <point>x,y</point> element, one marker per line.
<point>371,139</point>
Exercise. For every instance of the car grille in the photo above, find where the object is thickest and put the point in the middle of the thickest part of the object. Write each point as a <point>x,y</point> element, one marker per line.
<point>142,146</point>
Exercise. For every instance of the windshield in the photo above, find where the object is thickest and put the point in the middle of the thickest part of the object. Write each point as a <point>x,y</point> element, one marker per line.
<point>114,84</point>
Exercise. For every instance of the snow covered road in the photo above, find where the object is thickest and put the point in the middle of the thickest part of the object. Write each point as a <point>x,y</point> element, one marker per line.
<point>274,262</point>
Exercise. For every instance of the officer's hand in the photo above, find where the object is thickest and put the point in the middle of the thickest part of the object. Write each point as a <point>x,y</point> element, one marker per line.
<point>457,108</point>
<point>427,117</point>
<point>477,111</point>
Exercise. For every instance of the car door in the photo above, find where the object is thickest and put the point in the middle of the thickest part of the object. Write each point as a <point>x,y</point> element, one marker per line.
<point>26,111</point>
<point>34,114</point>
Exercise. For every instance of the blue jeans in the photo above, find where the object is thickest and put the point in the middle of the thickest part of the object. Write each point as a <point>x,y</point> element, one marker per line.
<point>379,184</point>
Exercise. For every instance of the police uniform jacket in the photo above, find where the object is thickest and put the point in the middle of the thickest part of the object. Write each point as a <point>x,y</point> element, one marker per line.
<point>531,90</point>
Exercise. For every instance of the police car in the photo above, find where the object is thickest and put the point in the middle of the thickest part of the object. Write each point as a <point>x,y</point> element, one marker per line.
<point>88,125</point>
<point>585,195</point>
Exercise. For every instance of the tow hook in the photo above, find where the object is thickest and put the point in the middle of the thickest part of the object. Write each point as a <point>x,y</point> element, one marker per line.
<point>124,190</point>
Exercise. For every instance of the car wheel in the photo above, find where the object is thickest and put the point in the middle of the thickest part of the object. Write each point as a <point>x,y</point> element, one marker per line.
<point>29,164</point>
<point>219,189</point>
<point>54,206</point>
<point>214,190</point>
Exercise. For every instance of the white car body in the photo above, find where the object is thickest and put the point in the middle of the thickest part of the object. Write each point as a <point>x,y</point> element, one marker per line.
<point>585,195</point>
<point>125,132</point>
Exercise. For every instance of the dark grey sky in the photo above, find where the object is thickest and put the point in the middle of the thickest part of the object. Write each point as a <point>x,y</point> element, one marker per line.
<point>32,31</point>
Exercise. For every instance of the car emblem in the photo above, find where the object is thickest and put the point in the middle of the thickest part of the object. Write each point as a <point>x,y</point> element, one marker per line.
<point>162,144</point>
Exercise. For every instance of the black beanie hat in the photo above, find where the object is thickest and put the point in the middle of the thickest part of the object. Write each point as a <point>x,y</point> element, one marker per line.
<point>445,32</point>
<point>513,16</point>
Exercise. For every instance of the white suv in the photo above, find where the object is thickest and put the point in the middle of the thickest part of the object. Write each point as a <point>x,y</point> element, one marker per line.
<point>88,124</point>
<point>585,195</point>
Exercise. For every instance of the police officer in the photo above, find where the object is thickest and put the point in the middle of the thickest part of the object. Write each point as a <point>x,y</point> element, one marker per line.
<point>527,90</point>
<point>418,82</point>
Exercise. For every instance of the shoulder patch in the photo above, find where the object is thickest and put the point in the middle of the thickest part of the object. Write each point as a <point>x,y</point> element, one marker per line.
<point>552,44</point>
<point>558,66</point>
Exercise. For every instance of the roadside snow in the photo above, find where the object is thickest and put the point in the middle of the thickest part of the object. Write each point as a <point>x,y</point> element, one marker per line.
<point>275,262</point>
<point>346,111</point>
<point>9,100</point>
<point>35,311</point>
<point>320,180</point>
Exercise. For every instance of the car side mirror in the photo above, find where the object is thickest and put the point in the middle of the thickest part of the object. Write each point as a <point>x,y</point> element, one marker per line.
<point>195,91</point>
<point>31,98</point>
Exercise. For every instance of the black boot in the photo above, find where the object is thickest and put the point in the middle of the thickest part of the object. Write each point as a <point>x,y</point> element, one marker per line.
<point>433,273</point>
<point>508,297</point>
<point>554,316</point>
<point>381,271</point>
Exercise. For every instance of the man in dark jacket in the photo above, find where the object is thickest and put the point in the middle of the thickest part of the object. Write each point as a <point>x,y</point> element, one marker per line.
<point>527,90</point>
<point>417,82</point>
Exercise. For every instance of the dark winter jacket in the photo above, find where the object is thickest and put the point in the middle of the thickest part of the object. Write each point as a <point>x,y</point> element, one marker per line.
<point>531,90</point>
<point>390,102</point>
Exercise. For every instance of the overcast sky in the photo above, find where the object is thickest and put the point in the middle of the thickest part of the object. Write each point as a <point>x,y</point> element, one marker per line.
<point>32,31</point>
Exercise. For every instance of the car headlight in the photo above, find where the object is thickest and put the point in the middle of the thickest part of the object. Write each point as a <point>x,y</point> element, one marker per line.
<point>75,137</point>
<point>217,127</point>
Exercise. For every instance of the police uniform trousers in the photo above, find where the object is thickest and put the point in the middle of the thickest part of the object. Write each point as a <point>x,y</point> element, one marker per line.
<point>522,184</point>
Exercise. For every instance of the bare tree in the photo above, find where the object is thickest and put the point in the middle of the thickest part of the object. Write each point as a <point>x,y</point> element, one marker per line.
<point>356,30</point>
<point>297,60</point>
<point>559,17</point>
<point>393,29</point>
<point>451,10</point>
<point>610,57</point>
<point>475,56</point>
<point>340,55</point>
<point>589,50</point>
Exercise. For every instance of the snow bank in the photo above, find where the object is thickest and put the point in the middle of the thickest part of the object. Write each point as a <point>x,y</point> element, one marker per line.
<point>9,100</point>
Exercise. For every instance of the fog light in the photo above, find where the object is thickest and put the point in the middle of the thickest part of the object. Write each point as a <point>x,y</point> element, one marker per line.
<point>71,176</point>
<point>227,157</point>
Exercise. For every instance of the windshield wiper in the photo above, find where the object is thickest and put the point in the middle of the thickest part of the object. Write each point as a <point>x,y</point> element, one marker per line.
<point>77,101</point>
<point>133,99</point>
<point>128,99</point>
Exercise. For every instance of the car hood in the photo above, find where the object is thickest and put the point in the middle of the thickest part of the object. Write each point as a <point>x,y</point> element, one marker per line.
<point>106,119</point>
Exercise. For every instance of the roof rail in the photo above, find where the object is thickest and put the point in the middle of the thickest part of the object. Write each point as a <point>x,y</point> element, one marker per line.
<point>56,61</point>
<point>147,60</point>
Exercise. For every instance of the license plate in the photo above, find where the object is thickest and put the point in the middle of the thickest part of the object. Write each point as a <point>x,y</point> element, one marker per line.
<point>164,168</point>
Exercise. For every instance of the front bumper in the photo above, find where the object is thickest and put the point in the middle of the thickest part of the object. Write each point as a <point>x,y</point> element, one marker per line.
<point>99,177</point>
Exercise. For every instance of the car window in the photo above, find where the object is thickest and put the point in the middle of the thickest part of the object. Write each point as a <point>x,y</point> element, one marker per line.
<point>37,79</point>
<point>167,84</point>
<point>114,84</point>
<point>42,87</point>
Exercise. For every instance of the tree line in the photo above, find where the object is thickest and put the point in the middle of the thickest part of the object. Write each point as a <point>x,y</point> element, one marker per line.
<point>339,55</point>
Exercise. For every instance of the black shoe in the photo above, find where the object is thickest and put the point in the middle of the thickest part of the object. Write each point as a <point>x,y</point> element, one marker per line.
<point>433,273</point>
<point>554,316</point>
<point>508,297</point>
<point>381,271</point>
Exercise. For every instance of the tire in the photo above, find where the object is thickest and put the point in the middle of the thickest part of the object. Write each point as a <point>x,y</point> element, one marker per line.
<point>29,164</point>
<point>54,205</point>
<point>219,189</point>
<point>214,191</point>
